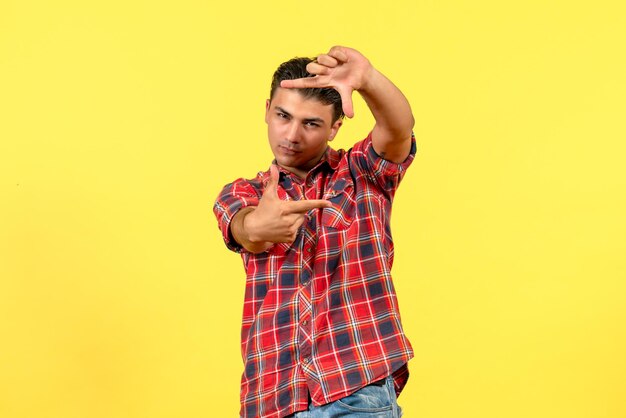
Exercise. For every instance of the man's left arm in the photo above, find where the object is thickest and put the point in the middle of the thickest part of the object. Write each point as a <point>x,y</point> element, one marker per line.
<point>346,69</point>
<point>391,135</point>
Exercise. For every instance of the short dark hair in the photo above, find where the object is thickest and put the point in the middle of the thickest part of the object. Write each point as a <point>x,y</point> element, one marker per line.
<point>296,68</point>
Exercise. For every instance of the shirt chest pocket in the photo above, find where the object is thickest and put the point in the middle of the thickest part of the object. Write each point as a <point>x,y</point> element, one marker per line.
<point>341,214</point>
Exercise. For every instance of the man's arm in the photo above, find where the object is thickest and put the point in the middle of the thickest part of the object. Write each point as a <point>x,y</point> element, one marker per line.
<point>258,228</point>
<point>345,70</point>
<point>391,136</point>
<point>240,234</point>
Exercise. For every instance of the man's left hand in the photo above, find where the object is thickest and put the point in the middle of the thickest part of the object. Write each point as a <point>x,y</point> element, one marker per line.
<point>342,68</point>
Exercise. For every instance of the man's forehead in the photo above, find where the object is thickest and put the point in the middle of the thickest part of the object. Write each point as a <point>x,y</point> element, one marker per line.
<point>299,106</point>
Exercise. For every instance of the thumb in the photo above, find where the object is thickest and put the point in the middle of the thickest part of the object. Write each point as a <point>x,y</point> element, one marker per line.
<point>346,101</point>
<point>272,185</point>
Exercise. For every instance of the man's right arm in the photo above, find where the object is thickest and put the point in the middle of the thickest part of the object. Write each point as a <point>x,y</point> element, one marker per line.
<point>241,235</point>
<point>273,220</point>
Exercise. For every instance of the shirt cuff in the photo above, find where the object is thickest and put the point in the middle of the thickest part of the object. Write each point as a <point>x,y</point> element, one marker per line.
<point>225,215</point>
<point>382,167</point>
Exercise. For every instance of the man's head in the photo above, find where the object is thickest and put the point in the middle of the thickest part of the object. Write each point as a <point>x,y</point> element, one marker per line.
<point>296,68</point>
<point>300,121</point>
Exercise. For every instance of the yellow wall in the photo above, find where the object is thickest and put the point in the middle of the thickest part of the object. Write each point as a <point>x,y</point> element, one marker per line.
<point>121,120</point>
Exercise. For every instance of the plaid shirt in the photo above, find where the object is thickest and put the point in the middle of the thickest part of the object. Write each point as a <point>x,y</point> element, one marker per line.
<point>320,315</point>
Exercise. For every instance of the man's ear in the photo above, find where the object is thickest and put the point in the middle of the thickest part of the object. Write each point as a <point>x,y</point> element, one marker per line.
<point>267,109</point>
<point>335,128</point>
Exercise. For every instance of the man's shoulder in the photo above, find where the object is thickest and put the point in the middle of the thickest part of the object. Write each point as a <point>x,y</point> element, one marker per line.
<point>342,157</point>
<point>257,182</point>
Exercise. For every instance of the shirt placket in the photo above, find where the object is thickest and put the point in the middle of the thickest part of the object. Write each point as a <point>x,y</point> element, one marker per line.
<point>307,258</point>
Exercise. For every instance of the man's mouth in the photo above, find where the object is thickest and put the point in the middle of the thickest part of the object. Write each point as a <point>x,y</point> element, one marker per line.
<point>287,150</point>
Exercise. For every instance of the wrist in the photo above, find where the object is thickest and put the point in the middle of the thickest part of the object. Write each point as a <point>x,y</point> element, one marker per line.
<point>248,225</point>
<point>371,79</point>
<point>253,243</point>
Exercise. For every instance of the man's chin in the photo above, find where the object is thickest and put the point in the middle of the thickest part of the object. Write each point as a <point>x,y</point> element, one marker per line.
<point>286,161</point>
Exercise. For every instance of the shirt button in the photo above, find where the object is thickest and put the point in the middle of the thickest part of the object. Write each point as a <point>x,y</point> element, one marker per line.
<point>305,322</point>
<point>309,250</point>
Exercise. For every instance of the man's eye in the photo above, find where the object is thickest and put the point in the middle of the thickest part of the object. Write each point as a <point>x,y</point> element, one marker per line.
<point>281,115</point>
<point>312,124</point>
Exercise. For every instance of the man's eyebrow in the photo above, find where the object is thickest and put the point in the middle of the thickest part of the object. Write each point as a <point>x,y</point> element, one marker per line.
<point>307,120</point>
<point>281,110</point>
<point>318,120</point>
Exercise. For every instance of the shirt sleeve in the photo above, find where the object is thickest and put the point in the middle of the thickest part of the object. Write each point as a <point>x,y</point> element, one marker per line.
<point>234,196</point>
<point>383,173</point>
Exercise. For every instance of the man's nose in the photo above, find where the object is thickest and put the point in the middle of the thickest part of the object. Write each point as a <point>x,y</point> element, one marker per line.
<point>293,132</point>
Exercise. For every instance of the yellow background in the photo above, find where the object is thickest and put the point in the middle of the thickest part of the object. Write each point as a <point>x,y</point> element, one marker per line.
<point>121,120</point>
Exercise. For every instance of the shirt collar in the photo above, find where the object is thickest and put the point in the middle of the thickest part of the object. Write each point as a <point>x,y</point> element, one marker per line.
<point>331,158</point>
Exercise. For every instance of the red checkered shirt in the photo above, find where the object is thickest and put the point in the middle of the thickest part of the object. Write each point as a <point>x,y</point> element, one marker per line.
<point>320,315</point>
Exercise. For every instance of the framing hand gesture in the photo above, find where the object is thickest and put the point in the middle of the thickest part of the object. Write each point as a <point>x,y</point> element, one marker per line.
<point>275,220</point>
<point>342,68</point>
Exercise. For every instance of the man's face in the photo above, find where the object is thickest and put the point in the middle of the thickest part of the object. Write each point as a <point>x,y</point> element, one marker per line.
<point>298,129</point>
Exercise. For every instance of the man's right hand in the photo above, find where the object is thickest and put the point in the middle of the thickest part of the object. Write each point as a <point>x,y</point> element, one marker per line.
<point>273,220</point>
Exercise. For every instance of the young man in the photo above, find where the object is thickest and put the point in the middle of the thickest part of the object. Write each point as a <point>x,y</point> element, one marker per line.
<point>321,327</point>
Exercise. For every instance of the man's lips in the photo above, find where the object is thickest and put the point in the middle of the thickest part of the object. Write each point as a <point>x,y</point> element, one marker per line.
<point>288,151</point>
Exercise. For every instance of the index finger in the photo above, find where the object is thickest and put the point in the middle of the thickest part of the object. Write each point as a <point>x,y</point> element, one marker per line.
<point>302,83</point>
<point>303,206</point>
